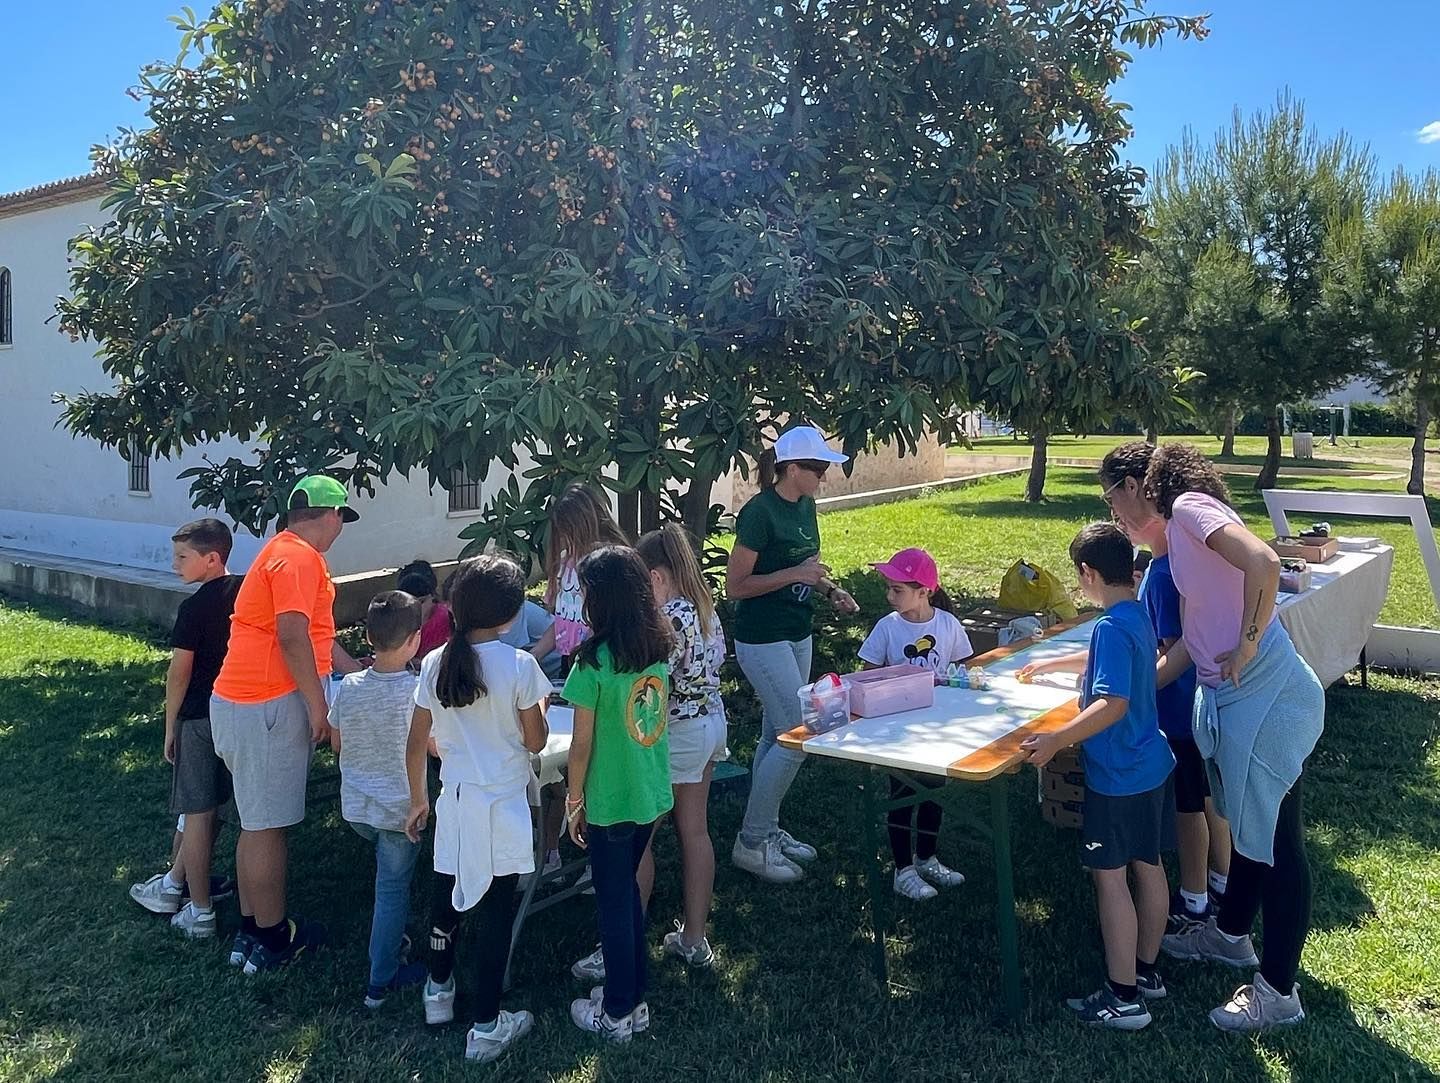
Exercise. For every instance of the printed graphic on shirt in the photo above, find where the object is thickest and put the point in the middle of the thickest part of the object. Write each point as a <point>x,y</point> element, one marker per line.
<point>922,652</point>
<point>645,711</point>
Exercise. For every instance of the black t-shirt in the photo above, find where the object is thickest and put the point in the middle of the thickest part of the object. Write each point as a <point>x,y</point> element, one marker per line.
<point>203,625</point>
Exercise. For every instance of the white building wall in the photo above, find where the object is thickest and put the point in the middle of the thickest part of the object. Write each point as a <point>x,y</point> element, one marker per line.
<point>68,497</point>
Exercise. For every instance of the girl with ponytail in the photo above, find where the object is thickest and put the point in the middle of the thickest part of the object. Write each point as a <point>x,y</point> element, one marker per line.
<point>485,703</point>
<point>697,727</point>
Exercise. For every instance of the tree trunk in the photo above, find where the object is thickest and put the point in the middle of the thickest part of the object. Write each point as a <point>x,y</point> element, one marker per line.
<point>1416,485</point>
<point>696,508</point>
<point>1271,468</point>
<point>1152,434</point>
<point>649,511</point>
<point>627,514</point>
<point>1227,435</point>
<point>1035,483</point>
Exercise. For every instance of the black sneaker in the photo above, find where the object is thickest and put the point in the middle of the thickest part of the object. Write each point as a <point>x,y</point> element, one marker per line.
<point>221,887</point>
<point>241,947</point>
<point>304,936</point>
<point>1151,986</point>
<point>1103,1008</point>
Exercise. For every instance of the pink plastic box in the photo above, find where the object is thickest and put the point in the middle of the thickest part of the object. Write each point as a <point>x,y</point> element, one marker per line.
<point>890,690</point>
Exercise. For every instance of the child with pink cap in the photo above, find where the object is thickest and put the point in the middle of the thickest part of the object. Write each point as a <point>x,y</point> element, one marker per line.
<point>920,631</point>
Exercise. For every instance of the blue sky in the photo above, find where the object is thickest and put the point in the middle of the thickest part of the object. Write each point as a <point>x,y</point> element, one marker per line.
<point>1369,68</point>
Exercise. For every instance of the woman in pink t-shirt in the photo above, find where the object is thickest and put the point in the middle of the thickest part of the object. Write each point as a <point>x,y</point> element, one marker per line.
<point>1258,706</point>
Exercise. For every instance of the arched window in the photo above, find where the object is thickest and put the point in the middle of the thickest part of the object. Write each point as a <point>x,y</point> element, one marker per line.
<point>5,339</point>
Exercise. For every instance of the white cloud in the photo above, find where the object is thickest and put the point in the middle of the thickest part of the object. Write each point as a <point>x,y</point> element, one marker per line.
<point>1430,133</point>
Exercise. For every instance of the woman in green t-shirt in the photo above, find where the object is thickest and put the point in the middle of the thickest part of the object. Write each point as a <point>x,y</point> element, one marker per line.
<point>773,576</point>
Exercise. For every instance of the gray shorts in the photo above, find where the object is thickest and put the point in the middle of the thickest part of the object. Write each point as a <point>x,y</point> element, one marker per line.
<point>267,748</point>
<point>200,781</point>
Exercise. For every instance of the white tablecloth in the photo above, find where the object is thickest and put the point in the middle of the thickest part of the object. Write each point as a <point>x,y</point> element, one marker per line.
<point>1330,623</point>
<point>551,759</point>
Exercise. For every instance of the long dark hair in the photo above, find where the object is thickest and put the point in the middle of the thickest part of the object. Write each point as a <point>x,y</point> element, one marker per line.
<point>672,548</point>
<point>485,592</point>
<point>621,611</point>
<point>579,522</point>
<point>1177,469</point>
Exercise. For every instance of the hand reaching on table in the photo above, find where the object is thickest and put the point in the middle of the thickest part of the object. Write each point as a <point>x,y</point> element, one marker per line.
<point>1040,748</point>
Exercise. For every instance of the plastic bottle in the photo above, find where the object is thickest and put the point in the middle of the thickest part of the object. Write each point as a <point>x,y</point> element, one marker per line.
<point>962,678</point>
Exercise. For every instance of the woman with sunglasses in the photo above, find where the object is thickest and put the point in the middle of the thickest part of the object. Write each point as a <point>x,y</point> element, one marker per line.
<point>773,576</point>
<point>1259,710</point>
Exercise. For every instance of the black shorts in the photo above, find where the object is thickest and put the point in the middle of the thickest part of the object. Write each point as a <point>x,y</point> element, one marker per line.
<point>200,781</point>
<point>1135,827</point>
<point>1192,781</point>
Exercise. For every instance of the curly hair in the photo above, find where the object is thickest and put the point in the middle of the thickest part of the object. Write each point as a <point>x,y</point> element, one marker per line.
<point>1177,469</point>
<point>1130,460</point>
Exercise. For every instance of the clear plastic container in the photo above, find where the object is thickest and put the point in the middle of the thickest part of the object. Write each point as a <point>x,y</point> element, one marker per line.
<point>825,705</point>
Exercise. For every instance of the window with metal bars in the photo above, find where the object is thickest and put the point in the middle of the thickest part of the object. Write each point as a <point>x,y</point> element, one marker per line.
<point>464,491</point>
<point>5,326</point>
<point>139,467</point>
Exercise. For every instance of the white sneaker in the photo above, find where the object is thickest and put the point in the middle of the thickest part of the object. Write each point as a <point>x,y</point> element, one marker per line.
<point>694,954</point>
<point>439,1001</point>
<point>909,884</point>
<point>590,968</point>
<point>1259,1006</point>
<point>486,1046</point>
<point>938,873</point>
<point>589,1015</point>
<point>195,923</point>
<point>639,1018</point>
<point>794,849</point>
<point>766,861</point>
<point>154,896</point>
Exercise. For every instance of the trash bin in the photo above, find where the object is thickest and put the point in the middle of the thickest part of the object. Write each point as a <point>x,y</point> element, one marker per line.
<point>1302,445</point>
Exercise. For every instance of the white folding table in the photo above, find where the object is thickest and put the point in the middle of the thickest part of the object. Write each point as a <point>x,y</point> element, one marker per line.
<point>967,735</point>
<point>1331,621</point>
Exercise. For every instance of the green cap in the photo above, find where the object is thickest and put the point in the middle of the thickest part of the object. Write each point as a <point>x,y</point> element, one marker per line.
<point>319,491</point>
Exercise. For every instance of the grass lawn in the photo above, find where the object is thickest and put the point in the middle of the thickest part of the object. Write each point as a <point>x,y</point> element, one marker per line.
<point>93,988</point>
<point>1390,452</point>
<point>975,533</point>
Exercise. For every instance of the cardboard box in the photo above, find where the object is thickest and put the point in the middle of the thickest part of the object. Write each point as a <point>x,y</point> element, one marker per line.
<point>1312,550</point>
<point>1062,789</point>
<point>984,625</point>
<point>1067,815</point>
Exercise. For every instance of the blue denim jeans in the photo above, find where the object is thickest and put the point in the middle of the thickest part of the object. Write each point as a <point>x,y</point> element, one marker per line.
<point>615,853</point>
<point>394,864</point>
<point>776,671</point>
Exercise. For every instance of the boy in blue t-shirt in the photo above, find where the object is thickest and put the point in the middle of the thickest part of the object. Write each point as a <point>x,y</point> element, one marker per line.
<point>1202,833</point>
<point>1129,795</point>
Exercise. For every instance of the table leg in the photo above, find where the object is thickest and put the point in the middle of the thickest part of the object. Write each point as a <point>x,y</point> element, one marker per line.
<point>528,894</point>
<point>875,875</point>
<point>1013,998</point>
<point>1364,670</point>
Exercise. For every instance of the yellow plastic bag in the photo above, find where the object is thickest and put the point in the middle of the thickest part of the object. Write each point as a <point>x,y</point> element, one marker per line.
<point>1027,588</point>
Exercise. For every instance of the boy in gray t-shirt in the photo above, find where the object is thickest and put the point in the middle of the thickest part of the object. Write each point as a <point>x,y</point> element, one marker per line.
<point>370,720</point>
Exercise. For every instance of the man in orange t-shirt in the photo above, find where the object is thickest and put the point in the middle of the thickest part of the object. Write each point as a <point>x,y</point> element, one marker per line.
<point>268,711</point>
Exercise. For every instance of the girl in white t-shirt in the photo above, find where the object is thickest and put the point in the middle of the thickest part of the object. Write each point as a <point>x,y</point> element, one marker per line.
<point>484,702</point>
<point>920,631</point>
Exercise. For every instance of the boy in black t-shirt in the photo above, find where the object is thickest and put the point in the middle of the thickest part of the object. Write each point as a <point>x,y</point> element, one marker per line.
<point>200,783</point>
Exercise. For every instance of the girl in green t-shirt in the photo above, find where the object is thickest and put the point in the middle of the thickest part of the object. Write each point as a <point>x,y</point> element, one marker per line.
<point>619,771</point>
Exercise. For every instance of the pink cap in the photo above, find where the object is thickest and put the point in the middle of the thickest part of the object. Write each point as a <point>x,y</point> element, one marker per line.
<point>911,566</point>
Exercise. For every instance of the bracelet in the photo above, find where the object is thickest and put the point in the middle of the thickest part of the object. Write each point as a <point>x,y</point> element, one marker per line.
<point>575,803</point>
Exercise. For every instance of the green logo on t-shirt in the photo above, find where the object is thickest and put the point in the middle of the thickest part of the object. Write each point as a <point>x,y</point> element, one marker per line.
<point>645,711</point>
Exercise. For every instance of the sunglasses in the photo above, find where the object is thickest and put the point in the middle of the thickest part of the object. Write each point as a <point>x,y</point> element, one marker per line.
<point>813,466</point>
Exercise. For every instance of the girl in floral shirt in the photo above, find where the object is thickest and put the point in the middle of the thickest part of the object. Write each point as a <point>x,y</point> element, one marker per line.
<point>697,727</point>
